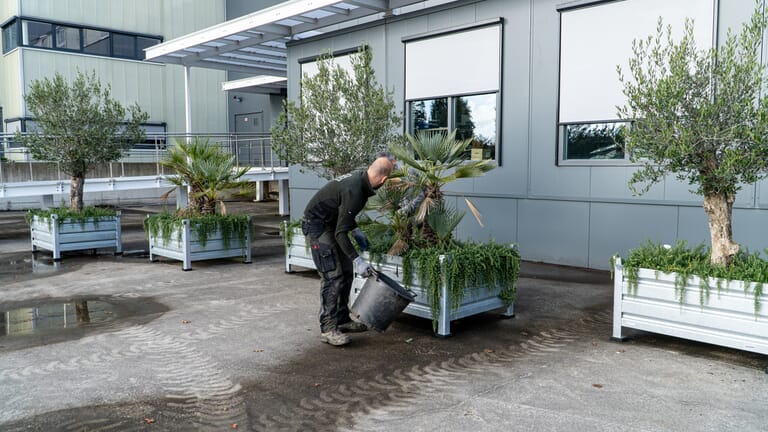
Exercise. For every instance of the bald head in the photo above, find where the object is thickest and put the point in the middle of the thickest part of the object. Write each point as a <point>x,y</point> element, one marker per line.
<point>379,170</point>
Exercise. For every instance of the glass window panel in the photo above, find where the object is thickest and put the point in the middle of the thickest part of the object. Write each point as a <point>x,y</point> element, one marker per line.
<point>142,43</point>
<point>37,34</point>
<point>67,38</point>
<point>594,39</point>
<point>123,45</point>
<point>10,36</point>
<point>475,118</point>
<point>594,140</point>
<point>96,42</point>
<point>429,115</point>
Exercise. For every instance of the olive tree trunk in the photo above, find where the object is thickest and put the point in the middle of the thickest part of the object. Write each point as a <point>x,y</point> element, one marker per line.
<point>719,208</point>
<point>76,184</point>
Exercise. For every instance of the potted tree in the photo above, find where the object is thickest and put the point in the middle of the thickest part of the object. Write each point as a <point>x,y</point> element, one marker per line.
<point>341,120</point>
<point>702,116</point>
<point>202,230</point>
<point>413,237</point>
<point>78,126</point>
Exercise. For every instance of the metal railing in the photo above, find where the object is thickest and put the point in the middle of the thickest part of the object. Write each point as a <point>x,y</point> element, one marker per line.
<point>254,150</point>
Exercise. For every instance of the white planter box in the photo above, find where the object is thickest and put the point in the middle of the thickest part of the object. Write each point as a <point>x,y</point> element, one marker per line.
<point>727,318</point>
<point>68,234</point>
<point>183,245</point>
<point>475,301</point>
<point>297,250</point>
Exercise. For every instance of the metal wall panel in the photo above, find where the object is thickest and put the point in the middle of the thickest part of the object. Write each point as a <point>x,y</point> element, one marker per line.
<point>574,215</point>
<point>131,81</point>
<point>616,228</point>
<point>142,16</point>
<point>10,85</point>
<point>554,231</point>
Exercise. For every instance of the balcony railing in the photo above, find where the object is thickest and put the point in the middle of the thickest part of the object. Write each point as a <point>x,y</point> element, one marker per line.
<point>254,150</point>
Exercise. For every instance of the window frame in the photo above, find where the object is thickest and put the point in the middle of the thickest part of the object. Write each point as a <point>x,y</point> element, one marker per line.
<point>451,120</point>
<point>19,21</point>
<point>561,125</point>
<point>451,97</point>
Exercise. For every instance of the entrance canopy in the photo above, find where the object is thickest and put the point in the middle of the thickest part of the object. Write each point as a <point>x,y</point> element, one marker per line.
<point>255,44</point>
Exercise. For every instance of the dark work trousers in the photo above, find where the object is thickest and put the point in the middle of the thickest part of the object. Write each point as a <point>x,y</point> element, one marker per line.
<point>336,271</point>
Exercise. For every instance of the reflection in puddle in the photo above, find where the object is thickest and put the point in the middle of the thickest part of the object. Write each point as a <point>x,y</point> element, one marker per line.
<point>26,320</point>
<point>44,265</point>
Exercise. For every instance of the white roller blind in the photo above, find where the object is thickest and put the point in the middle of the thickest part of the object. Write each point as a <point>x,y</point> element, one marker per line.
<point>593,40</point>
<point>345,61</point>
<point>457,63</point>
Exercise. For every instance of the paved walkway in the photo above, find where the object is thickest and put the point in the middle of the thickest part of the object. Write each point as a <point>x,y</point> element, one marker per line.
<point>236,345</point>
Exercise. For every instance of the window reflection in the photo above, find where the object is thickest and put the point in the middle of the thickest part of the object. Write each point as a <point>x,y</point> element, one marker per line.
<point>67,37</point>
<point>10,36</point>
<point>38,34</point>
<point>429,115</point>
<point>473,117</point>
<point>96,42</point>
<point>476,120</point>
<point>595,140</point>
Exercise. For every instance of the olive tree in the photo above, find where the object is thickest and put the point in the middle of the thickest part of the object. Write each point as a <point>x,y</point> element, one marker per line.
<point>700,115</point>
<point>341,119</point>
<point>78,126</point>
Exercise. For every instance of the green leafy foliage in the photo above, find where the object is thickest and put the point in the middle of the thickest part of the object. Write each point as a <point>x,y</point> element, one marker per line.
<point>342,119</point>
<point>687,262</point>
<point>163,225</point>
<point>87,214</point>
<point>78,126</point>
<point>700,115</point>
<point>208,171</point>
<point>465,268</point>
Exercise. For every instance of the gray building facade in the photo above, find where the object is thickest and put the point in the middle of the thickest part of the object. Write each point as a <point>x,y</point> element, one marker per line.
<point>559,205</point>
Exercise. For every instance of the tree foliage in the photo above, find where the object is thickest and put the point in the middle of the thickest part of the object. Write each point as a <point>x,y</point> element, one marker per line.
<point>699,115</point>
<point>414,198</point>
<point>342,120</point>
<point>207,171</point>
<point>78,126</point>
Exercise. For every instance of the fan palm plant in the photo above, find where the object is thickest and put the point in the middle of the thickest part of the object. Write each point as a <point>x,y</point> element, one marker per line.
<point>206,170</point>
<point>430,161</point>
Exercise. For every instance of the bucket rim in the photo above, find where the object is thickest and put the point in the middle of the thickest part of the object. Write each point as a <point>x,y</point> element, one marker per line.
<point>395,285</point>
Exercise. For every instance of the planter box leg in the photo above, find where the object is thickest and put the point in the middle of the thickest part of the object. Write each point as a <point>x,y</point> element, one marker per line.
<point>185,239</point>
<point>618,277</point>
<point>55,232</point>
<point>118,234</point>
<point>444,319</point>
<point>509,312</point>
<point>248,243</point>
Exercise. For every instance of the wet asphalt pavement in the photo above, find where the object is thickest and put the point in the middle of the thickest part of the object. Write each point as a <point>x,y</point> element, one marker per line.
<point>236,346</point>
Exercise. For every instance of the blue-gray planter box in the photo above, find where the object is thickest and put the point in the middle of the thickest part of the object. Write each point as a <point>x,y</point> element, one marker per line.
<point>184,245</point>
<point>68,234</point>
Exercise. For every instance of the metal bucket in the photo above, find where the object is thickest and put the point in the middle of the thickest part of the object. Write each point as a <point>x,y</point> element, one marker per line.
<point>380,301</point>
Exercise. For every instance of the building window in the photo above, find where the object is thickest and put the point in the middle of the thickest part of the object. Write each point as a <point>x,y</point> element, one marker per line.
<point>72,38</point>
<point>68,38</point>
<point>37,34</point>
<point>96,42</point>
<point>589,131</point>
<point>10,36</point>
<point>442,95</point>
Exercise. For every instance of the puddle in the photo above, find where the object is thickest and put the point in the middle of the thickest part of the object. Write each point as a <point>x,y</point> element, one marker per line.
<point>54,320</point>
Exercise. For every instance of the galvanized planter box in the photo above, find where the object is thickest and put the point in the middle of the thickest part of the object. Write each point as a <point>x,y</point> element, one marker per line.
<point>69,234</point>
<point>296,250</point>
<point>184,245</point>
<point>475,301</point>
<point>728,318</point>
